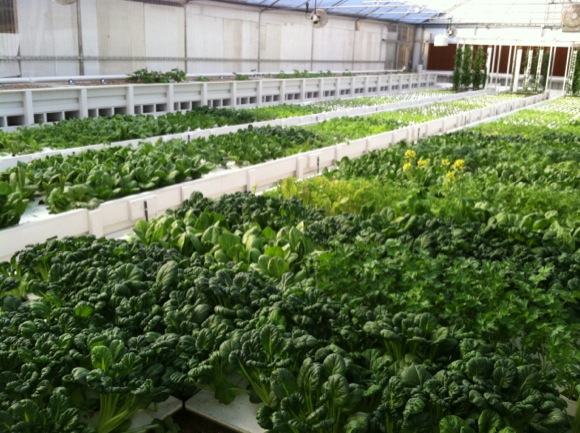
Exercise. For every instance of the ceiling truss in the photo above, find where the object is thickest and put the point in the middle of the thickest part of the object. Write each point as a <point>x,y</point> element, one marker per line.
<point>433,12</point>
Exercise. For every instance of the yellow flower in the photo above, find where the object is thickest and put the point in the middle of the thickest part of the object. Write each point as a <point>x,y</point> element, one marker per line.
<point>406,166</point>
<point>450,176</point>
<point>410,154</point>
<point>459,164</point>
<point>445,163</point>
<point>422,163</point>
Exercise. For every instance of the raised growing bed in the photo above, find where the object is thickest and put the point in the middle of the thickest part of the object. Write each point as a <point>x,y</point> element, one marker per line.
<point>10,161</point>
<point>114,217</point>
<point>439,300</point>
<point>33,106</point>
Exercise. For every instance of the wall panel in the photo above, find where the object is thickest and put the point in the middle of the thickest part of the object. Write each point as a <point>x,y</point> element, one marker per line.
<point>164,35</point>
<point>202,37</point>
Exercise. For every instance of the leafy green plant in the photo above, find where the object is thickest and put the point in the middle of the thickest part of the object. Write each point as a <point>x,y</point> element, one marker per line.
<point>241,77</point>
<point>319,398</point>
<point>177,75</point>
<point>304,74</point>
<point>146,76</point>
<point>478,79</point>
<point>456,79</point>
<point>115,377</point>
<point>534,69</point>
<point>12,205</point>
<point>544,70</point>
<point>466,67</point>
<point>575,85</point>
<point>58,416</point>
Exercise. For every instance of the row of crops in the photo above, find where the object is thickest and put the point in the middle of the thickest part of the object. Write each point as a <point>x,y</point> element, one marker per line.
<point>431,288</point>
<point>83,132</point>
<point>88,178</point>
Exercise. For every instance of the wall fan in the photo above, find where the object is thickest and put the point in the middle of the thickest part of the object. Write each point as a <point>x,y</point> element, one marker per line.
<point>571,17</point>
<point>451,32</point>
<point>319,18</point>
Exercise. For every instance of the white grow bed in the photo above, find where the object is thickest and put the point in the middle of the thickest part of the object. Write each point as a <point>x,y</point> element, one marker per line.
<point>8,161</point>
<point>116,217</point>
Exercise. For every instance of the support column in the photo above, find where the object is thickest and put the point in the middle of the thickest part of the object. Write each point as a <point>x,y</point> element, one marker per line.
<point>549,71</point>
<point>517,67</point>
<point>418,48</point>
<point>234,94</point>
<point>204,94</point>
<point>567,77</point>
<point>80,40</point>
<point>508,67</point>
<point>493,56</point>
<point>83,103</point>
<point>497,66</point>
<point>130,100</point>
<point>28,108</point>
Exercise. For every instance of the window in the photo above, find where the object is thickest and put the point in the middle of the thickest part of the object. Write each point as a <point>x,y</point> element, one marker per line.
<point>7,16</point>
<point>403,34</point>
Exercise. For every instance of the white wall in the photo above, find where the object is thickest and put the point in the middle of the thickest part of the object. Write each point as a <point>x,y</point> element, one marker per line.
<point>224,39</point>
<point>369,45</point>
<point>285,42</point>
<point>9,44</point>
<point>120,36</point>
<point>49,30</point>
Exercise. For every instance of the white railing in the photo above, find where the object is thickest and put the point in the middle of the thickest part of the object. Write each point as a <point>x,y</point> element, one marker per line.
<point>11,161</point>
<point>35,106</point>
<point>115,217</point>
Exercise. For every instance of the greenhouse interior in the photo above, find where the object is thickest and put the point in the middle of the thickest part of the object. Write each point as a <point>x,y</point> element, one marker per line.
<point>276,216</point>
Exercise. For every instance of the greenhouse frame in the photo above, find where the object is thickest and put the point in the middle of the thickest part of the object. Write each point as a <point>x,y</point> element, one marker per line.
<point>289,216</point>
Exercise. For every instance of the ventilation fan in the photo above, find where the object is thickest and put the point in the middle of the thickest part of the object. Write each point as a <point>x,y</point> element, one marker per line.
<point>65,2</point>
<point>571,17</point>
<point>319,18</point>
<point>451,32</point>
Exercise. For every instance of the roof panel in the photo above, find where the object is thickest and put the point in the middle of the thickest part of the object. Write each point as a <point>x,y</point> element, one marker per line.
<point>433,11</point>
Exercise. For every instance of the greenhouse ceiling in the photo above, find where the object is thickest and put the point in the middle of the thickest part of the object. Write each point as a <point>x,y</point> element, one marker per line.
<point>433,12</point>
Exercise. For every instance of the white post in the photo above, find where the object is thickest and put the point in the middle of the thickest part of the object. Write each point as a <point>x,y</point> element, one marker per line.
<point>508,70</point>
<point>527,70</point>
<point>570,70</point>
<point>539,68</point>
<point>28,108</point>
<point>83,103</point>
<point>130,100</point>
<point>493,52</point>
<point>517,67</point>
<point>497,64</point>
<point>549,71</point>
<point>488,65</point>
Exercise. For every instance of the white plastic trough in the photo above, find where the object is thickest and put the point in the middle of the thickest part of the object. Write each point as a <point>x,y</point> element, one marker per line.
<point>116,217</point>
<point>11,161</point>
<point>34,106</point>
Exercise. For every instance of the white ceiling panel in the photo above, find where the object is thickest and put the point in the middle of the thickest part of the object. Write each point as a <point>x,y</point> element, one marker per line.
<point>434,12</point>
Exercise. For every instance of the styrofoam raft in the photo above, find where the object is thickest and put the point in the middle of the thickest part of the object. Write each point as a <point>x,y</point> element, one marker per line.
<point>240,415</point>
